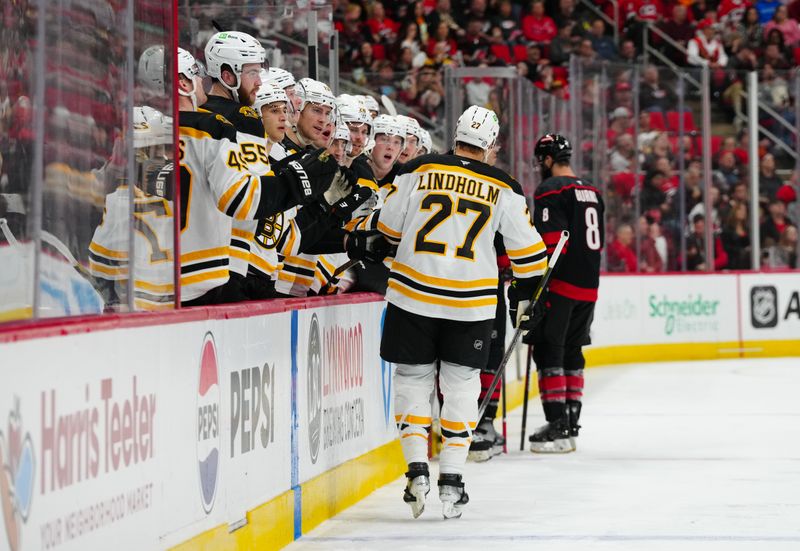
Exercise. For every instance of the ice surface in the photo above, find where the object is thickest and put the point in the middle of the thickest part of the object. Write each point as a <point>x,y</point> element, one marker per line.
<point>690,455</point>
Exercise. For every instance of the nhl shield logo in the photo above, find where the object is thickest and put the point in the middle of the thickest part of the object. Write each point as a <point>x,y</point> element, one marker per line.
<point>764,307</point>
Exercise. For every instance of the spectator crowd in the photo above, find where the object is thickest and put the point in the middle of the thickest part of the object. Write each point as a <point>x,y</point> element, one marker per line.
<point>400,50</point>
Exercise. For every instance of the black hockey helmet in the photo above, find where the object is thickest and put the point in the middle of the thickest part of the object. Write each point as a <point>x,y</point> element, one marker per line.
<point>555,146</point>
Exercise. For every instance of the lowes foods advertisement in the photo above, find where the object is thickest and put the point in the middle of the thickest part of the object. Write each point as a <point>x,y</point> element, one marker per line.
<point>143,437</point>
<point>665,309</point>
<point>344,389</point>
<point>770,306</point>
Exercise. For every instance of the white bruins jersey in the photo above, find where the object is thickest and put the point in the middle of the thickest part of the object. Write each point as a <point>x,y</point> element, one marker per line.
<point>253,156</point>
<point>444,216</point>
<point>268,233</point>
<point>153,270</point>
<point>215,190</point>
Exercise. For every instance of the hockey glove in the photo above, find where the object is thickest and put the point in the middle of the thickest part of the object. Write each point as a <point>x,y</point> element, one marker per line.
<point>311,175</point>
<point>366,246</point>
<point>345,207</point>
<point>341,186</point>
<point>520,294</point>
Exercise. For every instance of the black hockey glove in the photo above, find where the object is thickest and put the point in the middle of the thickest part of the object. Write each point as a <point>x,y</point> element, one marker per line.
<point>345,207</point>
<point>310,175</point>
<point>520,295</point>
<point>367,246</point>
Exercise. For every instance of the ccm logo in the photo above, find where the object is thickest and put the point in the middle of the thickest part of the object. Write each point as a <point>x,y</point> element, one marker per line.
<point>301,172</point>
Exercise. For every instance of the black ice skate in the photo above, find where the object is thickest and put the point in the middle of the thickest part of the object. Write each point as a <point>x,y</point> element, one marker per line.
<point>552,438</point>
<point>486,443</point>
<point>417,487</point>
<point>452,495</point>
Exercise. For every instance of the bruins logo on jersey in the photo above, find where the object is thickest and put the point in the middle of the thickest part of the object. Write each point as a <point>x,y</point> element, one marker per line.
<point>269,231</point>
<point>222,119</point>
<point>248,112</point>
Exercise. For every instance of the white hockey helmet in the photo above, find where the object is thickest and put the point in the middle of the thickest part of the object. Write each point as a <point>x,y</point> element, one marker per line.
<point>425,142</point>
<point>234,49</point>
<point>269,93</point>
<point>314,91</point>
<point>477,126</point>
<point>385,124</point>
<point>151,68</point>
<point>150,127</point>
<point>412,127</point>
<point>188,67</point>
<point>352,110</point>
<point>342,132</point>
<point>281,77</point>
<point>372,104</point>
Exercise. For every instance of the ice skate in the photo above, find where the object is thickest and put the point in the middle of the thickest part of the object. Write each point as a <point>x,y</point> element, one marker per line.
<point>480,449</point>
<point>552,438</point>
<point>574,412</point>
<point>486,443</point>
<point>417,487</point>
<point>452,495</point>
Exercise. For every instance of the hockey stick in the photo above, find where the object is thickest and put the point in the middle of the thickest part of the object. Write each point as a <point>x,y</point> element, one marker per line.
<point>340,270</point>
<point>518,333</point>
<point>525,398</point>
<point>388,105</point>
<point>505,434</point>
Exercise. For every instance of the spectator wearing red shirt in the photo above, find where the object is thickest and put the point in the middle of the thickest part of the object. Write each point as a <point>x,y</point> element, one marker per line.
<point>621,256</point>
<point>383,29</point>
<point>538,27</point>
<point>705,49</point>
<point>649,11</point>
<point>731,12</point>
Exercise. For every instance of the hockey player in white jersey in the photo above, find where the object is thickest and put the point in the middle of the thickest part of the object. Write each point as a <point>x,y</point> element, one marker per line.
<point>413,138</point>
<point>389,141</point>
<point>354,114</point>
<point>217,187</point>
<point>315,113</point>
<point>442,293</point>
<point>425,143</point>
<point>109,254</point>
<point>284,80</point>
<point>272,104</point>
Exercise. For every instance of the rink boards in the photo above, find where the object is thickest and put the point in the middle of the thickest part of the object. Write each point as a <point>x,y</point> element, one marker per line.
<point>243,427</point>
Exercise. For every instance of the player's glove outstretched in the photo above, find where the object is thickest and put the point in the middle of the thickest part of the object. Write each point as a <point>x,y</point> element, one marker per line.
<point>367,246</point>
<point>310,175</point>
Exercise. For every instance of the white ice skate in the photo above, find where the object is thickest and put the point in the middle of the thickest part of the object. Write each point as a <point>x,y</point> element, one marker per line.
<point>452,495</point>
<point>417,487</point>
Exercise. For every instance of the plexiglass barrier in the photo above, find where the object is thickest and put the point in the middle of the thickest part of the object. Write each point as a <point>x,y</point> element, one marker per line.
<point>87,202</point>
<point>86,212</point>
<point>664,147</point>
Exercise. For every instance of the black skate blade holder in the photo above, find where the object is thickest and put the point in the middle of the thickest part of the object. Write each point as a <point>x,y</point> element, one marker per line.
<point>562,241</point>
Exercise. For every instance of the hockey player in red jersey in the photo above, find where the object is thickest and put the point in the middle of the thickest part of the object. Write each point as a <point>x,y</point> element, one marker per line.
<point>563,201</point>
